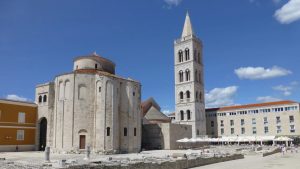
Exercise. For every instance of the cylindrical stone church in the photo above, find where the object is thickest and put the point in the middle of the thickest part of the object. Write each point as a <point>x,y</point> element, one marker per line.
<point>90,106</point>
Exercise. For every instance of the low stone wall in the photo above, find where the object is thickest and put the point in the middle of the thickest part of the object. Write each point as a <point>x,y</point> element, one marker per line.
<point>276,150</point>
<point>163,164</point>
<point>12,148</point>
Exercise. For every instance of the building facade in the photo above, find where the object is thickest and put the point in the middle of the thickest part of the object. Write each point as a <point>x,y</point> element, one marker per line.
<point>90,106</point>
<point>17,125</point>
<point>189,81</point>
<point>280,118</point>
<point>158,131</point>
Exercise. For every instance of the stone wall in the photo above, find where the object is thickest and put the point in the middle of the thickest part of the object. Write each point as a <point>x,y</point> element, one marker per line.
<point>164,135</point>
<point>163,164</point>
<point>274,151</point>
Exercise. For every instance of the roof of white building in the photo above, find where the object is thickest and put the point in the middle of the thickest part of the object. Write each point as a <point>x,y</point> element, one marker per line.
<point>247,106</point>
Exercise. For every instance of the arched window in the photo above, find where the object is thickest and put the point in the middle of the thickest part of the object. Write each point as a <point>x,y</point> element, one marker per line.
<point>195,55</point>
<point>181,76</point>
<point>40,99</point>
<point>188,112</point>
<point>199,58</point>
<point>187,54</point>
<point>181,115</point>
<point>125,131</point>
<point>45,98</point>
<point>198,132</point>
<point>107,131</point>
<point>187,75</point>
<point>181,95</point>
<point>96,66</point>
<point>200,79</point>
<point>200,96</point>
<point>188,94</point>
<point>196,76</point>
<point>197,96</point>
<point>134,131</point>
<point>180,56</point>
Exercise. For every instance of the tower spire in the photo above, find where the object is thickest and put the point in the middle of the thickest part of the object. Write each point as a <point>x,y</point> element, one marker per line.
<point>187,28</point>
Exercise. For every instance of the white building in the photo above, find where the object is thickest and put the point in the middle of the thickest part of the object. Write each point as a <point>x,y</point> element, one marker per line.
<point>90,106</point>
<point>189,81</point>
<point>280,118</point>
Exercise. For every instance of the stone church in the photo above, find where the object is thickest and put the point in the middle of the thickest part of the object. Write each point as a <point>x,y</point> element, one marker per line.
<point>90,106</point>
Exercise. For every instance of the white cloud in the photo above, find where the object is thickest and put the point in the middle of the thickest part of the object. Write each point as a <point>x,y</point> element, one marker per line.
<point>289,12</point>
<point>255,73</point>
<point>166,111</point>
<point>218,97</point>
<point>267,99</point>
<point>286,89</point>
<point>173,2</point>
<point>16,97</point>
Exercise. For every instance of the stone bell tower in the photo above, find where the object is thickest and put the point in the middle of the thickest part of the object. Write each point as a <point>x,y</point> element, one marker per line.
<point>189,84</point>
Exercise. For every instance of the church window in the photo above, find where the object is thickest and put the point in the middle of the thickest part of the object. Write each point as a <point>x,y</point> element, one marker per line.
<point>180,56</point>
<point>45,98</point>
<point>188,112</point>
<point>125,131</point>
<point>188,94</point>
<point>199,59</point>
<point>181,76</point>
<point>200,80</point>
<point>198,132</point>
<point>200,96</point>
<point>187,75</point>
<point>133,93</point>
<point>96,66</point>
<point>99,89</point>
<point>107,131</point>
<point>196,96</point>
<point>196,76</point>
<point>134,131</point>
<point>40,99</point>
<point>181,115</point>
<point>187,54</point>
<point>181,95</point>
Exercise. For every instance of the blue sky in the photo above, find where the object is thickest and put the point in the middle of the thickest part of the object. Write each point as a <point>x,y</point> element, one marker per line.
<point>251,47</point>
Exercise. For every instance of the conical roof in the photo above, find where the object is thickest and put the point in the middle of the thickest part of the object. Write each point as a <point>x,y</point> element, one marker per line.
<point>187,28</point>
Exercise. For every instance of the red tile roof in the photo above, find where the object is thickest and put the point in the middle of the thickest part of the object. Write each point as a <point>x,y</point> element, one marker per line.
<point>246,106</point>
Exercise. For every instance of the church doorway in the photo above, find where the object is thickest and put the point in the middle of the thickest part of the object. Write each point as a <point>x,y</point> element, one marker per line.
<point>43,134</point>
<point>82,142</point>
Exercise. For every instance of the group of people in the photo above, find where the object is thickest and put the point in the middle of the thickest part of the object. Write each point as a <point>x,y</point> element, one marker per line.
<point>293,148</point>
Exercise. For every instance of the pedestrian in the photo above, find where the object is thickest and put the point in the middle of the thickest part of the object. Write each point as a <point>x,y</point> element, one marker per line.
<point>284,149</point>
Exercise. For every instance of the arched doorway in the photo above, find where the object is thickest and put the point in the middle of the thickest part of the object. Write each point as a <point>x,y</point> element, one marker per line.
<point>43,134</point>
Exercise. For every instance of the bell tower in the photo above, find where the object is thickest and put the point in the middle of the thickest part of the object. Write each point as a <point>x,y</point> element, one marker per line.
<point>189,81</point>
